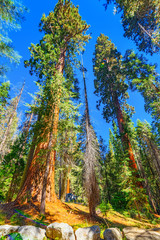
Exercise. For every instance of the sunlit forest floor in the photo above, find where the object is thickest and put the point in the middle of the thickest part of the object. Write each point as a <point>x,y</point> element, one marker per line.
<point>75,215</point>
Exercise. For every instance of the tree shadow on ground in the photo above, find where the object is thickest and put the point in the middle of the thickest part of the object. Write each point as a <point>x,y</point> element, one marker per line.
<point>64,212</point>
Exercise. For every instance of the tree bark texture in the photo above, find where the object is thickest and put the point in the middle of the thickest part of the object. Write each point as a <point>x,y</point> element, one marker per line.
<point>68,182</point>
<point>38,156</point>
<point>124,136</point>
<point>92,188</point>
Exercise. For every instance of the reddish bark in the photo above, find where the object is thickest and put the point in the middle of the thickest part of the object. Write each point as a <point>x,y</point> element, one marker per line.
<point>32,184</point>
<point>35,174</point>
<point>51,195</point>
<point>68,183</point>
<point>124,136</point>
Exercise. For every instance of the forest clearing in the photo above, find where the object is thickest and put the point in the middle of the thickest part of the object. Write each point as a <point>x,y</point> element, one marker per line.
<point>80,135</point>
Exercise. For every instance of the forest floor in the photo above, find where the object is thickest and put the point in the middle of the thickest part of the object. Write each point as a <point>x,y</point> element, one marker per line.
<point>75,215</point>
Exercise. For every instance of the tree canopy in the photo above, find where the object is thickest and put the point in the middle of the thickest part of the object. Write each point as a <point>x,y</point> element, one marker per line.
<point>141,22</point>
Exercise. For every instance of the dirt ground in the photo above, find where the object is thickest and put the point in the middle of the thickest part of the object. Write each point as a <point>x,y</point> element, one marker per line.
<point>75,215</point>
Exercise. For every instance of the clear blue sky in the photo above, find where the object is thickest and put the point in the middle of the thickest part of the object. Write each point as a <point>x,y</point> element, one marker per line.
<point>101,21</point>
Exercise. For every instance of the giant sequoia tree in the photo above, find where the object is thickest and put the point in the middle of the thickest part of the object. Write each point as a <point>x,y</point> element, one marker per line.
<point>64,35</point>
<point>111,87</point>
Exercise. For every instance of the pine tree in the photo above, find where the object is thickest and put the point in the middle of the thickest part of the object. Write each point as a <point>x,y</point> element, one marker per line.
<point>143,77</point>
<point>17,155</point>
<point>118,173</point>
<point>10,120</point>
<point>150,162</point>
<point>112,171</point>
<point>141,22</point>
<point>11,14</point>
<point>65,35</point>
<point>67,145</point>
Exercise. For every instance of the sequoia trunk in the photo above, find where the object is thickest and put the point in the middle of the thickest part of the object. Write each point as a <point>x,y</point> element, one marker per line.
<point>124,136</point>
<point>34,174</point>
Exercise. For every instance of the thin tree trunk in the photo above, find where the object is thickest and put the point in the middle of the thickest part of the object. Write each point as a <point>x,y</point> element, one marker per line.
<point>26,132</point>
<point>60,180</point>
<point>156,156</point>
<point>63,185</point>
<point>153,171</point>
<point>11,120</point>
<point>13,184</point>
<point>147,186</point>
<point>12,187</point>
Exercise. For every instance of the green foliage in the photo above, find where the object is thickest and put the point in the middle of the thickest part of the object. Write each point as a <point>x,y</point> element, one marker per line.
<point>65,34</point>
<point>149,154</point>
<point>16,219</point>
<point>141,22</point>
<point>120,186</point>
<point>62,40</point>
<point>104,207</point>
<point>4,96</point>
<point>11,14</point>
<point>143,77</point>
<point>14,236</point>
<point>114,173</point>
<point>67,147</point>
<point>52,60</point>
<point>2,216</point>
<point>13,163</point>
<point>110,82</point>
<point>8,112</point>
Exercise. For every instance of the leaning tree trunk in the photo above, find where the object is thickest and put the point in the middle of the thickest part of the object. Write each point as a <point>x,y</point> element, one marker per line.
<point>11,120</point>
<point>91,184</point>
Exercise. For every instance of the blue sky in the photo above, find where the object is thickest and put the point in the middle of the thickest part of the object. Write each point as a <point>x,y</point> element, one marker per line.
<point>101,21</point>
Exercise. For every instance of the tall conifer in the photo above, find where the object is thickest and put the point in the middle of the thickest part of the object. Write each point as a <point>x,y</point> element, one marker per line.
<point>111,87</point>
<point>64,35</point>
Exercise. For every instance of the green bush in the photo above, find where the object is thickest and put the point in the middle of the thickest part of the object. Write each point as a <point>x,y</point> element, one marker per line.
<point>104,207</point>
<point>16,219</point>
<point>13,236</point>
